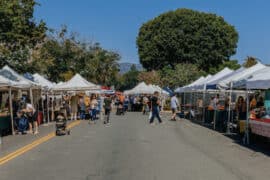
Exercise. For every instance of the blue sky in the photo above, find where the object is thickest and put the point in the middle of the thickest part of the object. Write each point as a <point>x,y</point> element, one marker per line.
<point>115,23</point>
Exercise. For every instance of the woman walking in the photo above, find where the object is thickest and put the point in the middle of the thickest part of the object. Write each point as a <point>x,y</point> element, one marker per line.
<point>93,106</point>
<point>74,107</point>
<point>82,108</point>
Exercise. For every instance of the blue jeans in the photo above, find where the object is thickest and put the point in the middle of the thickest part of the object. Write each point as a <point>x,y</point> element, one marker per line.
<point>93,114</point>
<point>82,114</point>
<point>155,113</point>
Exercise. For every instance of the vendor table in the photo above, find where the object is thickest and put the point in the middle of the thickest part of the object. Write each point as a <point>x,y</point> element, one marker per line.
<point>260,127</point>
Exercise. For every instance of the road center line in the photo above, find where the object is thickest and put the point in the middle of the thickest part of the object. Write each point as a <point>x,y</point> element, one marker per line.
<point>32,145</point>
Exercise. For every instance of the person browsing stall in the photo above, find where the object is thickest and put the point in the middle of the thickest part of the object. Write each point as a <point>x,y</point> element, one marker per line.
<point>174,106</point>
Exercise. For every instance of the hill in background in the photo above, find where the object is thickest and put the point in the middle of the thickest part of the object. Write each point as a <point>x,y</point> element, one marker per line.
<point>125,67</point>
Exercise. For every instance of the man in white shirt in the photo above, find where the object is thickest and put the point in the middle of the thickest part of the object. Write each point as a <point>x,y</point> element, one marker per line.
<point>174,106</point>
<point>32,117</point>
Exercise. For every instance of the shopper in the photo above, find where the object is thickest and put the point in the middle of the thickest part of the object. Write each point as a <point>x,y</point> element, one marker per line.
<point>82,108</point>
<point>93,106</point>
<point>74,107</point>
<point>174,106</point>
<point>108,108</point>
<point>101,105</point>
<point>145,105</point>
<point>241,108</point>
<point>31,116</point>
<point>155,102</point>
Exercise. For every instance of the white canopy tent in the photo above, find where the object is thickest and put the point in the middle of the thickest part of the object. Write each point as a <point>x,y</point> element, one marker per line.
<point>240,75</point>
<point>159,89</point>
<point>4,82</point>
<point>187,87</point>
<point>259,80</point>
<point>141,88</point>
<point>215,84</point>
<point>219,75</point>
<point>42,81</point>
<point>20,81</point>
<point>7,84</point>
<point>76,83</point>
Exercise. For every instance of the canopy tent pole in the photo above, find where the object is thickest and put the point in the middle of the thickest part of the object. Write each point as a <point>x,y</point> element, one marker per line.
<point>31,96</point>
<point>229,110</point>
<point>247,121</point>
<point>47,103</point>
<point>11,111</point>
<point>43,111</point>
<point>190,107</point>
<point>204,91</point>
<point>184,107</point>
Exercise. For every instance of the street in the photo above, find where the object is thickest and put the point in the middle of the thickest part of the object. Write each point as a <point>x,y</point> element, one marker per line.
<point>131,149</point>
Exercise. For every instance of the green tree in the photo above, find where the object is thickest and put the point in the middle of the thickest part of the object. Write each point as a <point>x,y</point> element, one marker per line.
<point>186,36</point>
<point>250,61</point>
<point>183,74</point>
<point>19,33</point>
<point>232,64</point>
<point>63,54</point>
<point>150,77</point>
<point>128,80</point>
<point>101,66</point>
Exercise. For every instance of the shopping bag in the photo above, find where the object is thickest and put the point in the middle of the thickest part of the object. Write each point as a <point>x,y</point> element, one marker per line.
<point>150,115</point>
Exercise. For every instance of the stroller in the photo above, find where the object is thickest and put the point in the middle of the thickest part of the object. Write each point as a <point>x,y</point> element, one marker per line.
<point>120,109</point>
<point>61,125</point>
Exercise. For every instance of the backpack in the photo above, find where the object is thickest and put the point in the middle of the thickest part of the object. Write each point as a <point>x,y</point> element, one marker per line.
<point>23,123</point>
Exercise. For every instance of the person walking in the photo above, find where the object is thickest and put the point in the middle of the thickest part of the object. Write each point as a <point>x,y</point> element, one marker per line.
<point>94,105</point>
<point>82,108</point>
<point>108,108</point>
<point>155,102</point>
<point>74,107</point>
<point>101,113</point>
<point>174,106</point>
<point>145,105</point>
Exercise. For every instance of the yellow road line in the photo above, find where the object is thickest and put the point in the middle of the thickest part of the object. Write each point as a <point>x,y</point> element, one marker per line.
<point>32,145</point>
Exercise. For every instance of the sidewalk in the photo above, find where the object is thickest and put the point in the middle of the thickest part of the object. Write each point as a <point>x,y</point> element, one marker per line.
<point>12,142</point>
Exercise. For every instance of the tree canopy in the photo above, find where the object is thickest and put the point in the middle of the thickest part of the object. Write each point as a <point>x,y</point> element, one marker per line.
<point>181,75</point>
<point>63,54</point>
<point>19,33</point>
<point>186,36</point>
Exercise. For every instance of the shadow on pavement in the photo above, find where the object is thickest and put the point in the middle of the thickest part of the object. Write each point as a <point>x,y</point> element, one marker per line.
<point>257,143</point>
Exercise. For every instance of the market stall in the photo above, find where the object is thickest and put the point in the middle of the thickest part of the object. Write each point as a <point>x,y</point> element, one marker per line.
<point>259,119</point>
<point>17,86</point>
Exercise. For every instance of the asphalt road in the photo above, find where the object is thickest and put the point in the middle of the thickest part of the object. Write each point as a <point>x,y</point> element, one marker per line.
<point>130,149</point>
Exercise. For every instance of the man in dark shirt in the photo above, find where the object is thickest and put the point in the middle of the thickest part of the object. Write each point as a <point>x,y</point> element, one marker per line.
<point>155,108</point>
<point>107,107</point>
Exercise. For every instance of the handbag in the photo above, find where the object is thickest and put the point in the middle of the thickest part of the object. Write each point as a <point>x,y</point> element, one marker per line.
<point>150,115</point>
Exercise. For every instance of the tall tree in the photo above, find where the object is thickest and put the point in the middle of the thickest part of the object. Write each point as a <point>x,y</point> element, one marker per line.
<point>181,75</point>
<point>63,54</point>
<point>232,64</point>
<point>19,32</point>
<point>186,36</point>
<point>150,77</point>
<point>128,80</point>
